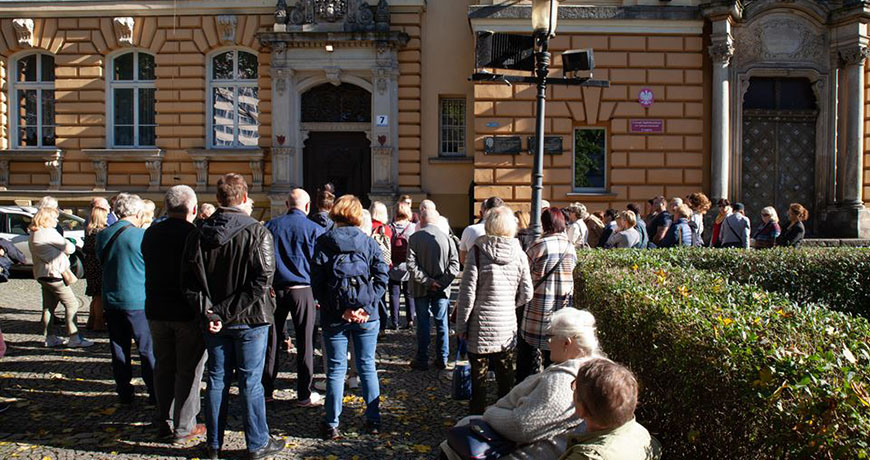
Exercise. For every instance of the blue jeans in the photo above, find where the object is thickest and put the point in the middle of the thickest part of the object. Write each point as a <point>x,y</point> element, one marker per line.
<point>365,339</point>
<point>243,349</point>
<point>437,306</point>
<point>124,325</point>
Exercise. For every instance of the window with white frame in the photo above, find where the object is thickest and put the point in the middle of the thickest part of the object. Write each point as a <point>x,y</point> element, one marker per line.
<point>32,101</point>
<point>132,121</point>
<point>590,159</point>
<point>232,100</point>
<point>452,121</point>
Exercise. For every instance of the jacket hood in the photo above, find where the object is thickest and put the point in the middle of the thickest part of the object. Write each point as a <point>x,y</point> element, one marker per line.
<point>344,239</point>
<point>223,225</point>
<point>500,249</point>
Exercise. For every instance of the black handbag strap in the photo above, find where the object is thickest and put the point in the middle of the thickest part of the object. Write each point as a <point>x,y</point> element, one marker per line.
<point>552,270</point>
<point>111,243</point>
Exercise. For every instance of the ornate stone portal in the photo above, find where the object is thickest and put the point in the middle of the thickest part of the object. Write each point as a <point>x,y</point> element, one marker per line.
<point>333,41</point>
<point>793,39</point>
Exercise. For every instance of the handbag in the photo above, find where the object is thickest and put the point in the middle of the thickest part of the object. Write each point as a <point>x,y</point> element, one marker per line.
<point>461,377</point>
<point>478,440</point>
<point>399,273</point>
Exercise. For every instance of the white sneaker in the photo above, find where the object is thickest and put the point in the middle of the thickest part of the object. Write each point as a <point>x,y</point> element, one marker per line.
<point>353,382</point>
<point>314,400</point>
<point>320,385</point>
<point>52,341</point>
<point>78,341</point>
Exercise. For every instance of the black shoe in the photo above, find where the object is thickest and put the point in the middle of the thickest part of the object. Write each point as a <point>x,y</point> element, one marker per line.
<point>373,427</point>
<point>418,366</point>
<point>440,365</point>
<point>271,448</point>
<point>328,432</point>
<point>212,454</point>
<point>4,407</point>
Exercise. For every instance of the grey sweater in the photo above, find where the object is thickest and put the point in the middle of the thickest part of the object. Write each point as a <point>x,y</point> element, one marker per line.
<point>431,257</point>
<point>491,290</point>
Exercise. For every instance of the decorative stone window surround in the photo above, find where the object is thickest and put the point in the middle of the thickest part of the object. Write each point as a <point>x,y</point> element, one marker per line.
<point>153,159</point>
<point>52,158</point>
<point>202,158</point>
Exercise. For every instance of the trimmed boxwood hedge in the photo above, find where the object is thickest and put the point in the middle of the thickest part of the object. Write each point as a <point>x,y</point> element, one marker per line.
<point>836,277</point>
<point>730,370</point>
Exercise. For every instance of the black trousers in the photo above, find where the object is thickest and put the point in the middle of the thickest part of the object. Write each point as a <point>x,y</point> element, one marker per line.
<point>299,304</point>
<point>529,360</point>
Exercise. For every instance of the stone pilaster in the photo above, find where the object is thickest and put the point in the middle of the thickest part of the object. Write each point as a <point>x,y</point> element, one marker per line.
<point>721,50</point>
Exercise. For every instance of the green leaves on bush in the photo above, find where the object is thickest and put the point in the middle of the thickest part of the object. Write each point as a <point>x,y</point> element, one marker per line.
<point>836,277</point>
<point>730,370</point>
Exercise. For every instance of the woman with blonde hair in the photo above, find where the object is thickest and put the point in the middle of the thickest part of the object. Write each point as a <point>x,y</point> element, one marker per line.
<point>495,282</point>
<point>50,252</point>
<point>524,232</point>
<point>150,208</point>
<point>769,231</point>
<point>97,222</point>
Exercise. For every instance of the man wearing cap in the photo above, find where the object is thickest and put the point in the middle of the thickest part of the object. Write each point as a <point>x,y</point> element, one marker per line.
<point>735,229</point>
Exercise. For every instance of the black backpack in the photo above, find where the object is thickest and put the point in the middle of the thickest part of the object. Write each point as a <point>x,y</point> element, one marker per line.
<point>350,281</point>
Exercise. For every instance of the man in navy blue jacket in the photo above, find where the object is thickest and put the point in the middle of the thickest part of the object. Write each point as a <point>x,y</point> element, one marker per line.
<point>294,236</point>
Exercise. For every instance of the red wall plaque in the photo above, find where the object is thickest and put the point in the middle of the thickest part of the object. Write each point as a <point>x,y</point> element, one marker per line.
<point>646,126</point>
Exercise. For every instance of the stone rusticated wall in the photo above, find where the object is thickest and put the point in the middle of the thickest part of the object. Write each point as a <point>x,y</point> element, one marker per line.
<point>640,166</point>
<point>181,45</point>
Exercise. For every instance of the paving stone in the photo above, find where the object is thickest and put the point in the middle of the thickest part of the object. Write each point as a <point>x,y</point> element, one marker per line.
<point>64,404</point>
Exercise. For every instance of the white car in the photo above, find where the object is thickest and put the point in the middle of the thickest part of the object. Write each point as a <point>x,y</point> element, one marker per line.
<point>14,223</point>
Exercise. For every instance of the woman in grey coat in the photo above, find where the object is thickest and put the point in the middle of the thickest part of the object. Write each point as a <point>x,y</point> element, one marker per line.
<point>496,281</point>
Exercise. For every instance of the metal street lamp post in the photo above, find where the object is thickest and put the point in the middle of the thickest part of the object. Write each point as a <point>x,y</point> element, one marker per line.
<point>544,14</point>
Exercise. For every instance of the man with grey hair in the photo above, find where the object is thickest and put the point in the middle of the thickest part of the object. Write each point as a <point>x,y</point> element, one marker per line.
<point>433,263</point>
<point>179,346</point>
<point>294,236</point>
<point>442,223</point>
<point>119,250</point>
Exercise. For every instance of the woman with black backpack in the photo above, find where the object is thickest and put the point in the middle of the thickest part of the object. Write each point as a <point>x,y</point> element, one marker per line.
<point>348,276</point>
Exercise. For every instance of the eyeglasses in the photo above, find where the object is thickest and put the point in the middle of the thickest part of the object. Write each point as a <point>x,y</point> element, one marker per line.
<point>765,215</point>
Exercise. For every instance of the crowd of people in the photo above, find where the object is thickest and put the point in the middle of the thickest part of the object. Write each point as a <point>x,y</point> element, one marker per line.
<point>211,288</point>
<point>678,222</point>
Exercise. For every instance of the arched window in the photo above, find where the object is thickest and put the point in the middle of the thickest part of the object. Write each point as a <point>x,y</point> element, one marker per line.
<point>232,99</point>
<point>32,101</point>
<point>131,100</point>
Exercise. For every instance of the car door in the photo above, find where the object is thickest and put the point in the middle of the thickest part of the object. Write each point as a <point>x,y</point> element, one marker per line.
<point>16,230</point>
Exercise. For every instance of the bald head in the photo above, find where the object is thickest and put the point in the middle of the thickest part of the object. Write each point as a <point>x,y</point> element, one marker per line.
<point>429,217</point>
<point>298,199</point>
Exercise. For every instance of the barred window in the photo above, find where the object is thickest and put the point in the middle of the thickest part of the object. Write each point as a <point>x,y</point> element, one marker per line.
<point>590,159</point>
<point>32,95</point>
<point>132,120</point>
<point>452,126</point>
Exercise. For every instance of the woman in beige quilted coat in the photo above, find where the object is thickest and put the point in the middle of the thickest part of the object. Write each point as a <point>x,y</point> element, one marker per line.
<point>495,282</point>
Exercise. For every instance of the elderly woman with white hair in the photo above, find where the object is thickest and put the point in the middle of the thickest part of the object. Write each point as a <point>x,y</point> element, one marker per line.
<point>766,236</point>
<point>537,417</point>
<point>496,281</point>
<point>577,231</point>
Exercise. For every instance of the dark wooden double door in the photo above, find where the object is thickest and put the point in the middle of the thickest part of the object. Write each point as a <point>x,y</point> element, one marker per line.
<point>342,158</point>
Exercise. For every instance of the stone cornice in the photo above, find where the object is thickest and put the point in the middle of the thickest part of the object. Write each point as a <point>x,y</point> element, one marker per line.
<point>127,155</point>
<point>345,39</point>
<point>226,154</point>
<point>569,12</point>
<point>44,154</point>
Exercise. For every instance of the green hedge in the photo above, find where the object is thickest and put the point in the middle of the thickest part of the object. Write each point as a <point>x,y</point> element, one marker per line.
<point>730,370</point>
<point>836,277</point>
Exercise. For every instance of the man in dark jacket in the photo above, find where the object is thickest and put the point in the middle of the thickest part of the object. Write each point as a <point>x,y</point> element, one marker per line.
<point>433,263</point>
<point>179,347</point>
<point>227,275</point>
<point>294,236</point>
<point>9,256</point>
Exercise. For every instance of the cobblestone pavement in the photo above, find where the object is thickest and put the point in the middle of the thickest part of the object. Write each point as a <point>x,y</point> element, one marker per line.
<point>64,405</point>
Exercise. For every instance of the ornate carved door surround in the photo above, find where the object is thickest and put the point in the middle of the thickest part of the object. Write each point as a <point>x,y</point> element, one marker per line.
<point>336,42</point>
<point>799,38</point>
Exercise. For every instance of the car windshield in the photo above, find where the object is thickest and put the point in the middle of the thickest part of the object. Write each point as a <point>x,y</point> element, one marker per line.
<point>70,223</point>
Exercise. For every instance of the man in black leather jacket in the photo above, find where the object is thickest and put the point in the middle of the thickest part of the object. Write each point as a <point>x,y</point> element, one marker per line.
<point>229,265</point>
